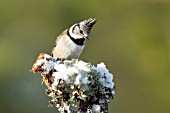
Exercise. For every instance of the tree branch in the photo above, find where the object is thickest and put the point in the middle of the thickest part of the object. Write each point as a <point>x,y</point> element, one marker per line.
<point>74,85</point>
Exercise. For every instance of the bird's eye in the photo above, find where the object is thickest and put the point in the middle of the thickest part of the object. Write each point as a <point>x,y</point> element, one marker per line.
<point>81,31</point>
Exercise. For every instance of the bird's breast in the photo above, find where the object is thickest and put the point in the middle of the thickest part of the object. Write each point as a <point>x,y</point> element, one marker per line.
<point>67,49</point>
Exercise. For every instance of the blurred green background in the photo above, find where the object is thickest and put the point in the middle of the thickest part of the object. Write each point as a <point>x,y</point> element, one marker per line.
<point>131,36</point>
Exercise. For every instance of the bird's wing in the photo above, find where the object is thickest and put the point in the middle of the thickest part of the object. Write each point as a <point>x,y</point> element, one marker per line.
<point>58,38</point>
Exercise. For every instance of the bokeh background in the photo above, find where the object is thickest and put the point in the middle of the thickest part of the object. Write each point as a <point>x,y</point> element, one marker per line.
<point>131,36</point>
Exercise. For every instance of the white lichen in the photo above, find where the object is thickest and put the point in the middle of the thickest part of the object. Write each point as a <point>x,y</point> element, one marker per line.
<point>75,85</point>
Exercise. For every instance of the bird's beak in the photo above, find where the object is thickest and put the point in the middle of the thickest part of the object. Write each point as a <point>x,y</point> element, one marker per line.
<point>87,38</point>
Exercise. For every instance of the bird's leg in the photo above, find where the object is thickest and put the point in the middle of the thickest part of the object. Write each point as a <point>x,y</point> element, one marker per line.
<point>61,59</point>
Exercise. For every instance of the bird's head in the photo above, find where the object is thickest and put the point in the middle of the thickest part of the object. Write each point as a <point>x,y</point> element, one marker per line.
<point>82,29</point>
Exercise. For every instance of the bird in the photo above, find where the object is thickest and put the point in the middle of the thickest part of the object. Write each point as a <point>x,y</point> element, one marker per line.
<point>71,42</point>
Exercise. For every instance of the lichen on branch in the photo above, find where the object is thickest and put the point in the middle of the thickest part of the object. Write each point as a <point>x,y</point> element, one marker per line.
<point>75,86</point>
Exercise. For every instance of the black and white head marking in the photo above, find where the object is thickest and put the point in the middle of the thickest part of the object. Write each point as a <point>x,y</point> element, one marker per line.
<point>79,32</point>
<point>78,41</point>
<point>76,35</point>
